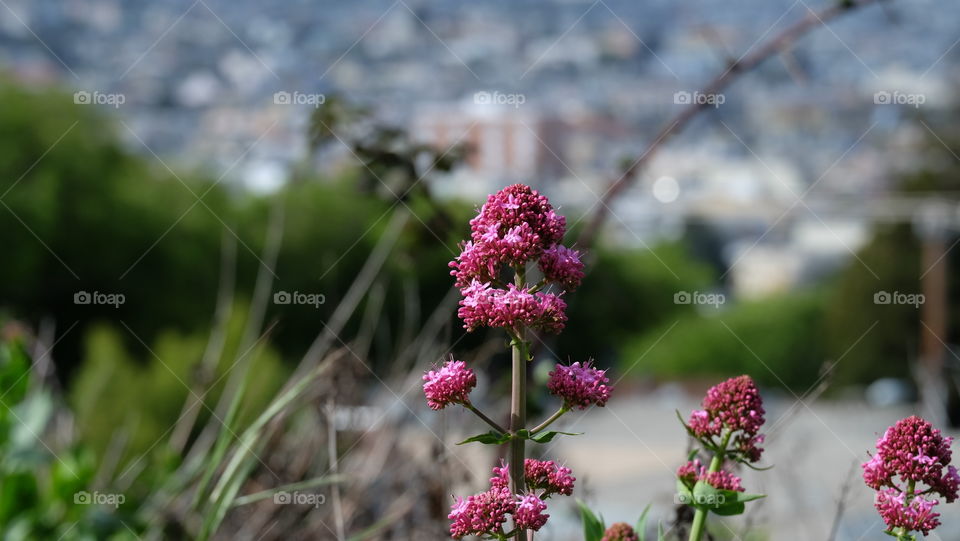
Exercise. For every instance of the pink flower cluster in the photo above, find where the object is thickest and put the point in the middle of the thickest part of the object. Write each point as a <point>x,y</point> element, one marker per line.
<point>511,308</point>
<point>694,471</point>
<point>620,531</point>
<point>514,227</point>
<point>911,452</point>
<point>451,384</point>
<point>487,512</point>
<point>481,514</point>
<point>733,405</point>
<point>913,515</point>
<point>580,385</point>
<point>562,265</point>
<point>530,512</point>
<point>548,476</point>
<point>541,475</point>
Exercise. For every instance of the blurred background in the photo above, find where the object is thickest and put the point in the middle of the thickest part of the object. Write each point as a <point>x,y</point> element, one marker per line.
<point>226,229</point>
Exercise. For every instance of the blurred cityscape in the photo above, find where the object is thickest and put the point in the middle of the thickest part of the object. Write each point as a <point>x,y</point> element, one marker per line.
<point>558,94</point>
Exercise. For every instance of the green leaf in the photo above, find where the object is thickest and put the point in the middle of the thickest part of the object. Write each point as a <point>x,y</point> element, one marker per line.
<point>693,454</point>
<point>545,437</point>
<point>708,497</point>
<point>488,438</point>
<point>729,510</point>
<point>742,497</point>
<point>593,527</point>
<point>641,527</point>
<point>684,496</point>
<point>660,536</point>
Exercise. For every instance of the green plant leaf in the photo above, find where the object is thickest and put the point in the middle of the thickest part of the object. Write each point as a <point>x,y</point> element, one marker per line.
<point>593,526</point>
<point>489,438</point>
<point>545,437</point>
<point>684,496</point>
<point>641,527</point>
<point>660,536</point>
<point>729,510</point>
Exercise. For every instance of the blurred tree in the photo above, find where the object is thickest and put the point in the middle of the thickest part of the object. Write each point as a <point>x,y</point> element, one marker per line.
<point>774,340</point>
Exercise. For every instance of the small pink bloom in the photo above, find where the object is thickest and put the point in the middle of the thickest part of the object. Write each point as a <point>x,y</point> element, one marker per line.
<point>579,385</point>
<point>451,384</point>
<point>620,531</point>
<point>562,265</point>
<point>734,405</point>
<point>530,512</point>
<point>548,476</point>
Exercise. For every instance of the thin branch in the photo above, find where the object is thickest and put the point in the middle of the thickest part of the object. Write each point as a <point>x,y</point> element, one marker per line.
<point>674,125</point>
<point>493,424</point>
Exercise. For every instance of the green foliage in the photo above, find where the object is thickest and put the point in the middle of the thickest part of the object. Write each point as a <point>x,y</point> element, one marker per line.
<point>894,256</point>
<point>44,488</point>
<point>627,292</point>
<point>593,526</point>
<point>142,396</point>
<point>488,438</point>
<point>775,340</point>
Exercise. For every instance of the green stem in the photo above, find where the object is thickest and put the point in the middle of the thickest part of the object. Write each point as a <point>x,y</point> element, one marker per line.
<point>493,424</point>
<point>700,516</point>
<point>559,413</point>
<point>518,420</point>
<point>518,406</point>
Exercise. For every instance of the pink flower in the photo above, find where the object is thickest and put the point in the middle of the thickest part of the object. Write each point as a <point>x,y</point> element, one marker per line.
<point>733,405</point>
<point>543,475</point>
<point>948,485</point>
<point>916,451</point>
<point>451,384</point>
<point>692,472</point>
<point>516,205</point>
<point>875,474</point>
<point>511,308</point>
<point>514,227</point>
<point>482,513</point>
<point>580,385</point>
<point>913,515</point>
<point>620,531</point>
<point>501,476</point>
<point>562,265</point>
<point>529,514</point>
<point>909,453</point>
<point>723,480</point>
<point>548,476</point>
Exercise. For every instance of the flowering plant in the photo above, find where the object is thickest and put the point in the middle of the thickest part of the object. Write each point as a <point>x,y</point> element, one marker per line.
<point>910,468</point>
<point>515,233</point>
<point>727,429</point>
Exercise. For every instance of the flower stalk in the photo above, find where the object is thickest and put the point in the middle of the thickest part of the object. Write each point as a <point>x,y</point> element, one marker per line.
<point>516,228</point>
<point>700,515</point>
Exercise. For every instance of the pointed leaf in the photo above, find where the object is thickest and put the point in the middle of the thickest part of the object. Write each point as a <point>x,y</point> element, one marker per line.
<point>545,437</point>
<point>593,527</point>
<point>641,527</point>
<point>489,438</point>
